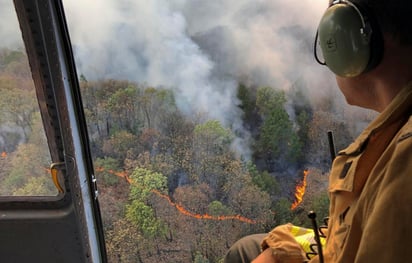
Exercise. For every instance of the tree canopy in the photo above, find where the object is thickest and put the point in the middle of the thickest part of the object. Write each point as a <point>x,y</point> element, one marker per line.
<point>173,187</point>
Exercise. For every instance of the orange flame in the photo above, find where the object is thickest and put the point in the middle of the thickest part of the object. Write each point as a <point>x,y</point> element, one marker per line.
<point>300,190</point>
<point>179,207</point>
<point>3,154</point>
<point>119,174</point>
<point>183,210</point>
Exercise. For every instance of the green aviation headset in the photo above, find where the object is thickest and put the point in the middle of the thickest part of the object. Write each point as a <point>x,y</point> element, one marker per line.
<point>350,39</point>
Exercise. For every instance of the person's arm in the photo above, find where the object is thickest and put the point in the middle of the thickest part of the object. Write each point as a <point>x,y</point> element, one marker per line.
<point>265,257</point>
<point>280,245</point>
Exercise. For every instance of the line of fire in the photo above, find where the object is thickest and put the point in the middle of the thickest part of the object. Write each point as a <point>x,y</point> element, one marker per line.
<point>299,193</point>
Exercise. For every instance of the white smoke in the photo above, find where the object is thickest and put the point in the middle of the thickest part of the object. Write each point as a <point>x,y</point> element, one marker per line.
<point>199,48</point>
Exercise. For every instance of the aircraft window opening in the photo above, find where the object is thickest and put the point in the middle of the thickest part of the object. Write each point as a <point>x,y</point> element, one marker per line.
<point>25,159</point>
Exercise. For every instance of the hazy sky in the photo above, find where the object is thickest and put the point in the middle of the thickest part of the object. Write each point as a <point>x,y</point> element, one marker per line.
<point>9,28</point>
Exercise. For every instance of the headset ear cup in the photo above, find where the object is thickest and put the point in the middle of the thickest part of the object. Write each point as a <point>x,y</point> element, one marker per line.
<point>350,44</point>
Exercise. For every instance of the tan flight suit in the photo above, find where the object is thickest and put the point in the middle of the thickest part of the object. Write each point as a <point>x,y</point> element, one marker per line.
<point>370,189</point>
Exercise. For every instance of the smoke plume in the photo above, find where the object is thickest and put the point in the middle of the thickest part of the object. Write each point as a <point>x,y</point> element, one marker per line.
<point>200,49</point>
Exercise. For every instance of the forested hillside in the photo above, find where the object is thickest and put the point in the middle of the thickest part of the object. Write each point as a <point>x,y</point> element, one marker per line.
<point>176,187</point>
<point>24,154</point>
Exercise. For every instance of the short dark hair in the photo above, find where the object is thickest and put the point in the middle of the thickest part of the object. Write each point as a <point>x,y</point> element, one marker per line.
<point>393,17</point>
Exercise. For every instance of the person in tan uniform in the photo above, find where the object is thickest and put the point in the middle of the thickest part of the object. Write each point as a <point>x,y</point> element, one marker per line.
<point>367,44</point>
